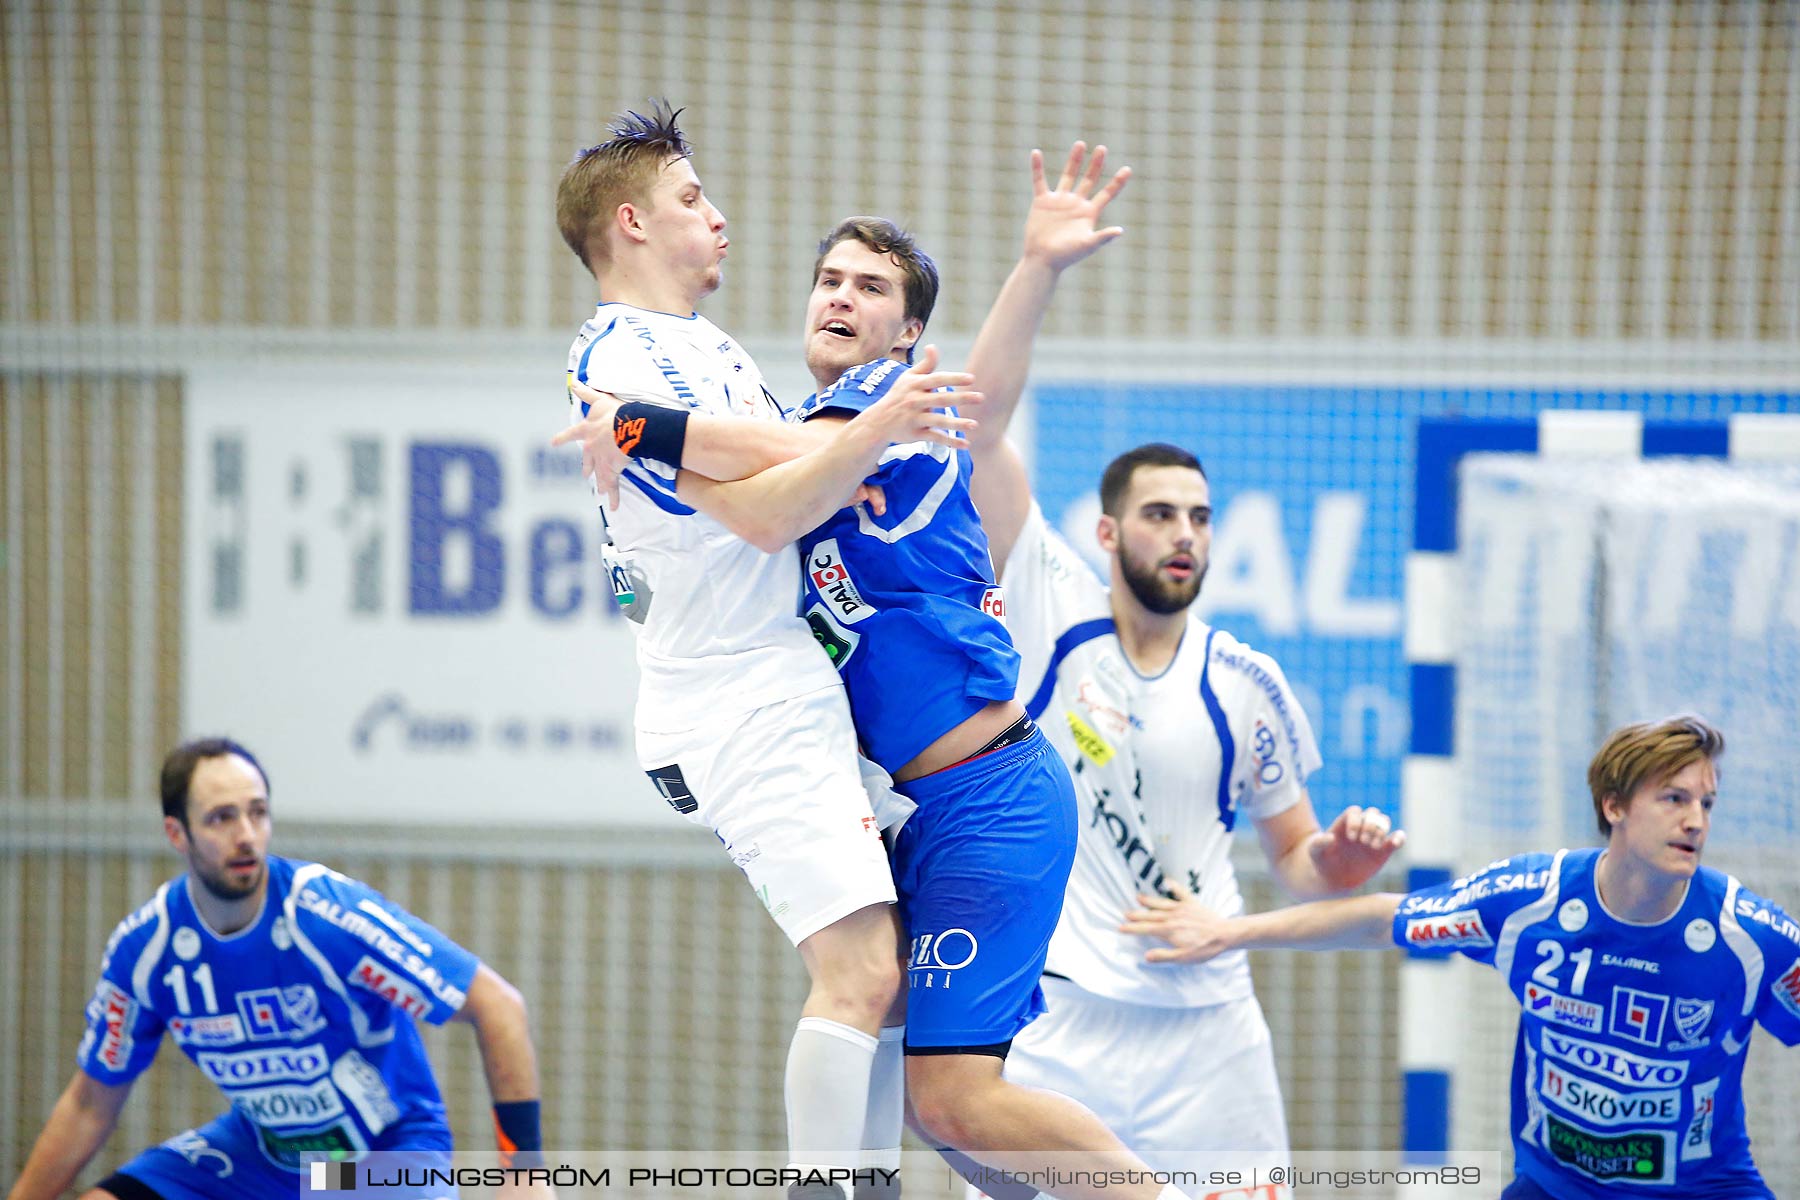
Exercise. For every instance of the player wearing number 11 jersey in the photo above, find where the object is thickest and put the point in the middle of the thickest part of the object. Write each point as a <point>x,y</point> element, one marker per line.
<point>296,991</point>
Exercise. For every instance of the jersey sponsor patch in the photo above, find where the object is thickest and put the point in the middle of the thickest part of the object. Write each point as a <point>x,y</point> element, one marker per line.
<point>825,567</point>
<point>993,603</point>
<point>285,1107</point>
<point>390,985</point>
<point>272,1014</point>
<point>119,1013</point>
<point>838,644</point>
<point>338,1140</point>
<point>1637,1015</point>
<point>1601,1105</point>
<point>1787,989</point>
<point>226,1029</point>
<point>1696,1142</point>
<point>1448,931</point>
<point>1620,1066</point>
<point>1641,1156</point>
<point>1089,741</point>
<point>1547,1005</point>
<point>298,1063</point>
<point>362,1085</point>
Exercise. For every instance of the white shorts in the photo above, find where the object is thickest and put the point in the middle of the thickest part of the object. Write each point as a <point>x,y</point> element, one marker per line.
<point>781,787</point>
<point>1173,1083</point>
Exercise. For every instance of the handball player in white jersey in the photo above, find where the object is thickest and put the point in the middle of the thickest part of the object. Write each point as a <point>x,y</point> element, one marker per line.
<point>1172,730</point>
<point>741,721</point>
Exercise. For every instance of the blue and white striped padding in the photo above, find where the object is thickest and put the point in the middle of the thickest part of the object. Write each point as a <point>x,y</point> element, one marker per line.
<point>1429,991</point>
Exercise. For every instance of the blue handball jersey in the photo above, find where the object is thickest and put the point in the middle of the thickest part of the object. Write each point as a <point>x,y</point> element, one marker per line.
<point>906,604</point>
<point>305,1018</point>
<point>1628,1071</point>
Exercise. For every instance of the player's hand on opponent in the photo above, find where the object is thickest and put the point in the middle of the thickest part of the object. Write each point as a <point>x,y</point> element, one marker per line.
<point>909,411</point>
<point>1357,845</point>
<point>1194,933</point>
<point>1059,228</point>
<point>601,458</point>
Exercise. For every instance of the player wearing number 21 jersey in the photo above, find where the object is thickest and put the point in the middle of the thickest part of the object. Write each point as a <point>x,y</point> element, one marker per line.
<point>1640,976</point>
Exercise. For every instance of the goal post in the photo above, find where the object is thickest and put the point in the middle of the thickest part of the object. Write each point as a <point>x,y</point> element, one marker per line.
<point>1572,573</point>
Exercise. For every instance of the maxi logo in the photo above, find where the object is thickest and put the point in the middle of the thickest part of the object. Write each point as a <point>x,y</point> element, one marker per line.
<point>1638,1015</point>
<point>941,953</point>
<point>825,567</point>
<point>280,1013</point>
<point>1621,1066</point>
<point>284,1107</point>
<point>1547,1005</point>
<point>1603,1106</point>
<point>1641,1156</point>
<point>119,1012</point>
<point>1448,931</point>
<point>265,1066</point>
<point>387,983</point>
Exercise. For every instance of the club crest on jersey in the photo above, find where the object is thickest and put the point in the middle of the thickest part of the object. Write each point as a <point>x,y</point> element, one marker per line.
<point>831,577</point>
<point>1547,1005</point>
<point>1448,931</point>
<point>1691,1019</point>
<point>1787,989</point>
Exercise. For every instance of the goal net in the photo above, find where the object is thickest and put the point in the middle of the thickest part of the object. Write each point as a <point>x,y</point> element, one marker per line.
<point>1597,592</point>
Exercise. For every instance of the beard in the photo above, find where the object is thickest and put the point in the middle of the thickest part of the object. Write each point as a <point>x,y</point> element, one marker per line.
<point>223,887</point>
<point>1164,597</point>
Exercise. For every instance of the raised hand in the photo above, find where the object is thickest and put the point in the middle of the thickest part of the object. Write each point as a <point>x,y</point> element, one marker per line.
<point>1357,845</point>
<point>1059,228</point>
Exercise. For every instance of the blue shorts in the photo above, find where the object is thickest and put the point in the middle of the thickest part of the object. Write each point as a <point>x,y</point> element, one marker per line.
<point>980,870</point>
<point>224,1159</point>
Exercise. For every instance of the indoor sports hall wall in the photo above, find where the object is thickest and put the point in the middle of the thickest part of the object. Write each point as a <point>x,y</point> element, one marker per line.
<point>299,228</point>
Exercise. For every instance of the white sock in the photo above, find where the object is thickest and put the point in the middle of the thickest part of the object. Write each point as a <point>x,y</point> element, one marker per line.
<point>827,1093</point>
<point>887,1100</point>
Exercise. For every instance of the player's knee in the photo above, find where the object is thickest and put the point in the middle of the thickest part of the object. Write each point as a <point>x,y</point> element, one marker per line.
<point>860,987</point>
<point>943,1115</point>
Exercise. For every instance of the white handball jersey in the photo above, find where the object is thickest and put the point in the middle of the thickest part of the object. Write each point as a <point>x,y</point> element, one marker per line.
<point>1163,767</point>
<point>722,635</point>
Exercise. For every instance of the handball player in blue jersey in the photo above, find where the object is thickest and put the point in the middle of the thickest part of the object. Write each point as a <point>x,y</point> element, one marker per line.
<point>1640,976</point>
<point>901,593</point>
<point>296,991</point>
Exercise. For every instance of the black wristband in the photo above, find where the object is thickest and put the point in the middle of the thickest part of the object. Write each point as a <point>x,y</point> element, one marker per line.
<point>650,431</point>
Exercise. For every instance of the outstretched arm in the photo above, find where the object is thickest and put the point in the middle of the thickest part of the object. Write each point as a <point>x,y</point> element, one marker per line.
<point>1195,933</point>
<point>776,506</point>
<point>79,1125</point>
<point>1059,232</point>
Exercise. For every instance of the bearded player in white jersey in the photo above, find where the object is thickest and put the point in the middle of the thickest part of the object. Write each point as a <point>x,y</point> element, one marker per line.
<point>1172,730</point>
<point>741,720</point>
